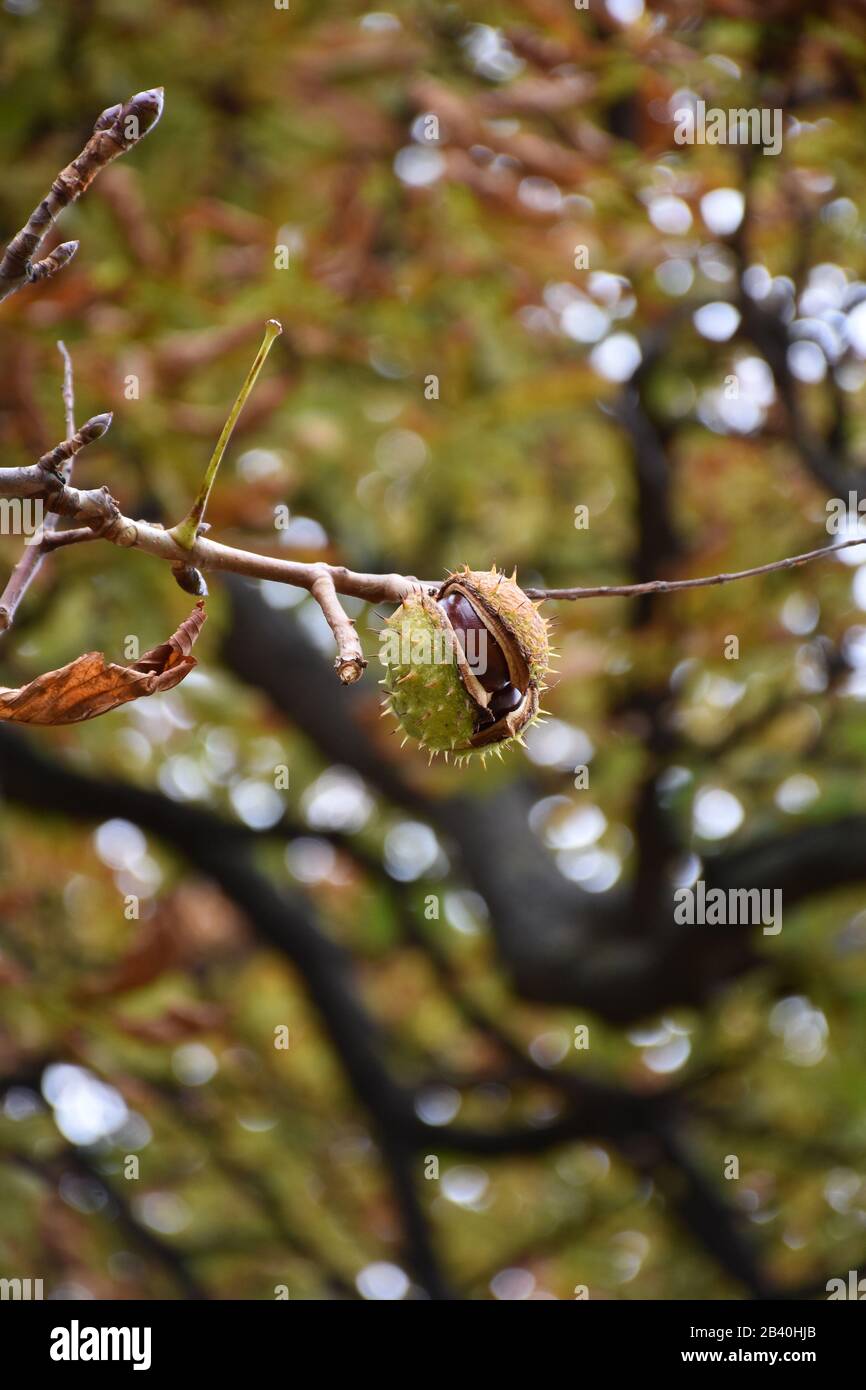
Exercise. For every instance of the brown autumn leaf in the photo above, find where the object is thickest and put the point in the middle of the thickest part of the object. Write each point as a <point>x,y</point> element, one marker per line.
<point>90,685</point>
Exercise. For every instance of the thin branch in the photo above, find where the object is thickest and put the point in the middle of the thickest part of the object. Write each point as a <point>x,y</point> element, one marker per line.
<point>374,588</point>
<point>184,548</point>
<point>117,130</point>
<point>58,459</point>
<point>670,586</point>
<point>30,563</point>
<point>349,662</point>
<point>58,540</point>
<point>18,583</point>
<point>68,391</point>
<point>98,510</point>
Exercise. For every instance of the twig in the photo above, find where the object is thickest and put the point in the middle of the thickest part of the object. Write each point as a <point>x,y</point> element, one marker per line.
<point>68,391</point>
<point>76,535</point>
<point>58,459</point>
<point>185,549</point>
<point>47,481</point>
<point>205,554</point>
<point>349,662</point>
<point>115,132</point>
<point>670,586</point>
<point>30,563</point>
<point>98,510</point>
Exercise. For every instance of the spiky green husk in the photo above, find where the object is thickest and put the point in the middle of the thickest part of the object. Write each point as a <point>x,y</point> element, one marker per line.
<point>427,696</point>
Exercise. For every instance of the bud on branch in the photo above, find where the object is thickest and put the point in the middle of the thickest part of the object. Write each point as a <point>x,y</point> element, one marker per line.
<point>116,131</point>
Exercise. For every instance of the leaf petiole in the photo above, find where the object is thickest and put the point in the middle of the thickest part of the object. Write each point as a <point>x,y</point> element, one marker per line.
<point>184,534</point>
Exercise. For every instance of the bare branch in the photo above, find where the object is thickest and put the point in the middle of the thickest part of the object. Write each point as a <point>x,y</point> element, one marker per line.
<point>184,547</point>
<point>97,509</point>
<point>115,132</point>
<point>671,586</point>
<point>30,563</point>
<point>349,662</point>
<point>58,540</point>
<point>56,461</point>
<point>68,390</point>
<point>18,583</point>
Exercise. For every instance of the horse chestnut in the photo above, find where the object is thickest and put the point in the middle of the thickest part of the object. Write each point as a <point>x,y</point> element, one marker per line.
<point>465,666</point>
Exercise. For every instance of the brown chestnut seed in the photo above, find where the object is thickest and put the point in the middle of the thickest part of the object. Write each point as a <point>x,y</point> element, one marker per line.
<point>484,656</point>
<point>504,701</point>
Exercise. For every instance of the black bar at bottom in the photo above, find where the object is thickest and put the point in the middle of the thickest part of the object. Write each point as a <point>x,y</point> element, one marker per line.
<point>233,1338</point>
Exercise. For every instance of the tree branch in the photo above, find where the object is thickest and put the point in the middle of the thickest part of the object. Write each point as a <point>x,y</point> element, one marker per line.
<point>96,511</point>
<point>349,662</point>
<point>99,511</point>
<point>30,563</point>
<point>671,586</point>
<point>117,130</point>
<point>57,465</point>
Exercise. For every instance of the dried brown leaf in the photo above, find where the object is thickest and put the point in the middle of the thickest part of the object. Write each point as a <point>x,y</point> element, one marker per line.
<point>90,685</point>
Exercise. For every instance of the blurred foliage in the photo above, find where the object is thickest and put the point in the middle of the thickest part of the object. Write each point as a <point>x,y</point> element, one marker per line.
<point>303,129</point>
